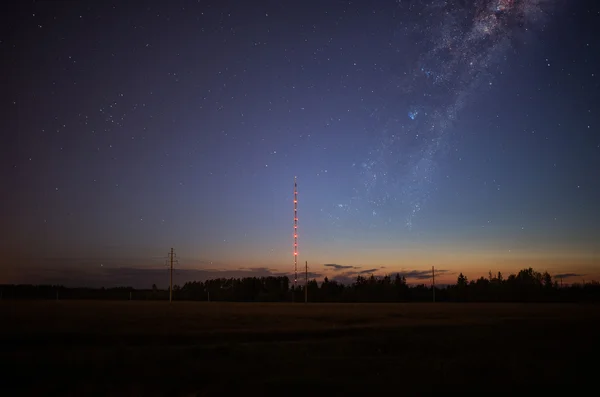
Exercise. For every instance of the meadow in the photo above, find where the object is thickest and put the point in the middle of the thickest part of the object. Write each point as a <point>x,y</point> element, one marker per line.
<point>202,348</point>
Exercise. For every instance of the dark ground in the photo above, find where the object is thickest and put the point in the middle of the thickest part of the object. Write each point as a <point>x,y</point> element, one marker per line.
<point>150,348</point>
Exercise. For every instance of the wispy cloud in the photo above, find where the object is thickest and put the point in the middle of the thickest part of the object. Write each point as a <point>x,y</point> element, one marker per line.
<point>421,274</point>
<point>338,267</point>
<point>349,277</point>
<point>143,272</point>
<point>368,271</point>
<point>343,279</point>
<point>97,276</point>
<point>568,275</point>
<point>301,275</point>
<point>256,269</point>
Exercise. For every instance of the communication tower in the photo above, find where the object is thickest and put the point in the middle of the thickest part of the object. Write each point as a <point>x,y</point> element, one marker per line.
<point>295,234</point>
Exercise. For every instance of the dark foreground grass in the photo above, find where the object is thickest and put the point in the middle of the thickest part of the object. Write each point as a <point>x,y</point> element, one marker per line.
<point>153,348</point>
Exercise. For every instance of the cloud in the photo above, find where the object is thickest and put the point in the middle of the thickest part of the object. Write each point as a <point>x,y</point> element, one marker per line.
<point>119,262</point>
<point>568,275</point>
<point>356,272</point>
<point>144,278</point>
<point>301,276</point>
<point>343,279</point>
<point>420,274</point>
<point>105,276</point>
<point>349,277</point>
<point>338,267</point>
<point>143,272</point>
<point>368,271</point>
<point>256,269</point>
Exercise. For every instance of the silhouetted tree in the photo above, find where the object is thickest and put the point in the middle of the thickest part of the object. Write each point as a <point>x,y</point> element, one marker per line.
<point>526,286</point>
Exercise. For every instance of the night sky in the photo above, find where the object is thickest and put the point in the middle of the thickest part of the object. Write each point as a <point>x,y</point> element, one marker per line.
<point>458,134</point>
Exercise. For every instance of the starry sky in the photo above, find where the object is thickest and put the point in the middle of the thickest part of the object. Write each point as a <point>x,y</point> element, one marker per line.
<point>456,134</point>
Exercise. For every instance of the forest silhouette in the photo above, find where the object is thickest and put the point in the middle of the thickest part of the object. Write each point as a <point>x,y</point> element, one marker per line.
<point>527,285</point>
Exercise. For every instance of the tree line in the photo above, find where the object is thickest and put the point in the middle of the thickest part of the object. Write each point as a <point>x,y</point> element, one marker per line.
<point>526,286</point>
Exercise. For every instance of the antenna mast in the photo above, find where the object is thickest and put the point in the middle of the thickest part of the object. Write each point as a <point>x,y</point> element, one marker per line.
<point>295,236</point>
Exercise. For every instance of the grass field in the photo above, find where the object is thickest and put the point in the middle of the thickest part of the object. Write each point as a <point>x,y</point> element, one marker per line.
<point>153,348</point>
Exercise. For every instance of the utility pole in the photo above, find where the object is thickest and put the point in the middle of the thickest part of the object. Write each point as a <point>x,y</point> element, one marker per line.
<point>433,281</point>
<point>306,282</point>
<point>171,279</point>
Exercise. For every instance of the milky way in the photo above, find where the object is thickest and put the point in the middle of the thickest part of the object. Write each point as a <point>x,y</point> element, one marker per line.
<point>462,46</point>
